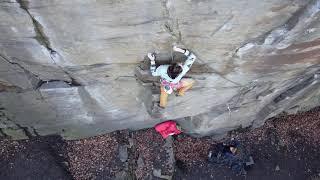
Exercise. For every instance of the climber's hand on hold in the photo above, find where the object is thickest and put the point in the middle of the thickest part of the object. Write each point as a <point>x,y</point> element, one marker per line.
<point>152,58</point>
<point>177,49</point>
<point>186,52</point>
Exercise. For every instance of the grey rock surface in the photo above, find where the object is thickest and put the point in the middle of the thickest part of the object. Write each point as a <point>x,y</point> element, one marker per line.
<point>140,162</point>
<point>76,67</point>
<point>123,153</point>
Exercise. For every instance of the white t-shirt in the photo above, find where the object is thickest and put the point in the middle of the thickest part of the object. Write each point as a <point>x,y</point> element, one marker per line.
<point>162,70</point>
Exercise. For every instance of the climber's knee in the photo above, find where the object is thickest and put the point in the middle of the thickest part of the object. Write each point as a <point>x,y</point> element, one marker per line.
<point>187,82</point>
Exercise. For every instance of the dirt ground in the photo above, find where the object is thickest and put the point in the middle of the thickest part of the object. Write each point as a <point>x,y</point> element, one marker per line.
<point>286,147</point>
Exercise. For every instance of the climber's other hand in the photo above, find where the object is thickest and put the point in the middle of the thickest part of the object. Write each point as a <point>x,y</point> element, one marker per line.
<point>151,56</point>
<point>177,49</point>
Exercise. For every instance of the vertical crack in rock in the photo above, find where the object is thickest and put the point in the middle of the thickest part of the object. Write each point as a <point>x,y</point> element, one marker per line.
<point>38,28</point>
<point>43,40</point>
<point>172,24</point>
<point>170,30</point>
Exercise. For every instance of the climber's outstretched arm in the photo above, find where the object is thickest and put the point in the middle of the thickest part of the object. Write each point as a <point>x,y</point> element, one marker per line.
<point>153,67</point>
<point>187,64</point>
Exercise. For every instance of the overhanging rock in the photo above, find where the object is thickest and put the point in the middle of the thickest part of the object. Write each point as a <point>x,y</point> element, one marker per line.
<point>76,68</point>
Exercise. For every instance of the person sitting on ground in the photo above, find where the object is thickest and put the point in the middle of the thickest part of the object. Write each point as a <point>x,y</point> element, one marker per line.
<point>231,154</point>
<point>172,75</point>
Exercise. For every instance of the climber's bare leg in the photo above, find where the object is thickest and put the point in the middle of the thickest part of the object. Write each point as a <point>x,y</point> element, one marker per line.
<point>163,98</point>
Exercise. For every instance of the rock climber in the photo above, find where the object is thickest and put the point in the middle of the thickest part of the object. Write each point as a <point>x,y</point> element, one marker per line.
<point>171,75</point>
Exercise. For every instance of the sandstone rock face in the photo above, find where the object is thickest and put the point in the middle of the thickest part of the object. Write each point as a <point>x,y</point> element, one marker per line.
<point>75,67</point>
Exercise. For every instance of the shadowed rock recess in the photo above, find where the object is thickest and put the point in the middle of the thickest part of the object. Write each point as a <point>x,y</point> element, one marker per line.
<point>77,68</point>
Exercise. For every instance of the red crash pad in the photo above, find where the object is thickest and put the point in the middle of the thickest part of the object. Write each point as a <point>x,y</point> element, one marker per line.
<point>167,128</point>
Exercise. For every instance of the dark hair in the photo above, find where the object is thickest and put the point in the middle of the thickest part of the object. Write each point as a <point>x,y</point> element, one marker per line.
<point>174,70</point>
